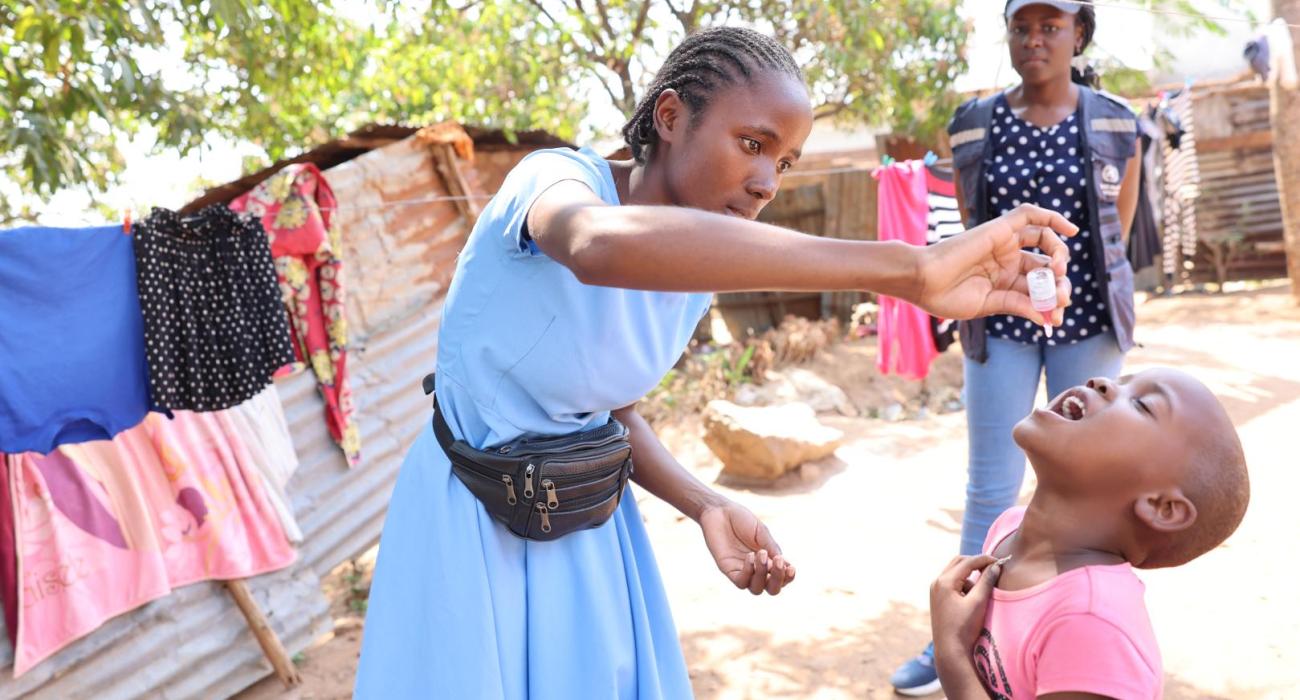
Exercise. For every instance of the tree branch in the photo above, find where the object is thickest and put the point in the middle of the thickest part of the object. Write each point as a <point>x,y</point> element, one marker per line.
<point>673,9</point>
<point>686,17</point>
<point>609,91</point>
<point>604,18</point>
<point>539,6</point>
<point>590,30</point>
<point>640,21</point>
<point>468,6</point>
<point>826,111</point>
<point>629,91</point>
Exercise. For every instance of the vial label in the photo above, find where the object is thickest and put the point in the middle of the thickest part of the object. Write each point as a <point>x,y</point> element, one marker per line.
<point>1042,288</point>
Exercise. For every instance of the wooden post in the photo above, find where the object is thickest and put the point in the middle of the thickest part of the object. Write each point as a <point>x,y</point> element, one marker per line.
<point>449,143</point>
<point>1283,108</point>
<point>444,161</point>
<point>271,646</point>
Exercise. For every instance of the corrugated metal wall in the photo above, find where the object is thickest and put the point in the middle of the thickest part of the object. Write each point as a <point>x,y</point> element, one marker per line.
<point>191,644</point>
<point>398,261</point>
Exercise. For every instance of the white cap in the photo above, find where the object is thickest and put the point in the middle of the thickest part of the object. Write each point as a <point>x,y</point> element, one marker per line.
<point>1014,6</point>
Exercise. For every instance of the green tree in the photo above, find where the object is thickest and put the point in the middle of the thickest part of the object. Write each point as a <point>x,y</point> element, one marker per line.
<point>879,63</point>
<point>79,77</point>
<point>491,63</point>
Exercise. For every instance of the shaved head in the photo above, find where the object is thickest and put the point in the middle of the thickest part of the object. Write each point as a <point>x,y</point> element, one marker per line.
<point>1217,483</point>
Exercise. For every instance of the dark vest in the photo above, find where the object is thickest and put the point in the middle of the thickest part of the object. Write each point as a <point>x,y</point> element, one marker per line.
<point>1110,136</point>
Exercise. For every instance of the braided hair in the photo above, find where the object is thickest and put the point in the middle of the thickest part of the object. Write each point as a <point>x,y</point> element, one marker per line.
<point>1086,18</point>
<point>697,68</point>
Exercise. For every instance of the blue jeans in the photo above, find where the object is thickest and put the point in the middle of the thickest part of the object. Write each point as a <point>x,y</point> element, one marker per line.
<point>999,393</point>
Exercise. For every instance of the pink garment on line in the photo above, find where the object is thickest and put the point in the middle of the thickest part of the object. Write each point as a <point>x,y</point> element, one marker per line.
<point>1084,631</point>
<point>103,527</point>
<point>906,343</point>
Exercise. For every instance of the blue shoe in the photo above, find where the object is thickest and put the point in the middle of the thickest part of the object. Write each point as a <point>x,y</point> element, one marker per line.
<point>917,677</point>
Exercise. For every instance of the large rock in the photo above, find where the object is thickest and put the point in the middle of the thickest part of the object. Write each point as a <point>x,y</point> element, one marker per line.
<point>766,442</point>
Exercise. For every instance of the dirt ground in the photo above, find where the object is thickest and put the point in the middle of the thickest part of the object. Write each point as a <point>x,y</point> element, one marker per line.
<point>870,527</point>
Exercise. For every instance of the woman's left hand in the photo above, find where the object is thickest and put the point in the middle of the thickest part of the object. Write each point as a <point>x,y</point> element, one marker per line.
<point>744,550</point>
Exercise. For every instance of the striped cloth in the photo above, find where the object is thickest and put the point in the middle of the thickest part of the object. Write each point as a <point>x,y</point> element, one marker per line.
<point>943,220</point>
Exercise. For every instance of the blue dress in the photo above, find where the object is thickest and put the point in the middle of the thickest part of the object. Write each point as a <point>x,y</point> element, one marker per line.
<point>461,608</point>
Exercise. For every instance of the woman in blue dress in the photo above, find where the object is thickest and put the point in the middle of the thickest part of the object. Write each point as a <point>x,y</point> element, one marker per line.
<point>579,287</point>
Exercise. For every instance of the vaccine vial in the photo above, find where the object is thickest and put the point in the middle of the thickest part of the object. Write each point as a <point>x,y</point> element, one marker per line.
<point>1042,294</point>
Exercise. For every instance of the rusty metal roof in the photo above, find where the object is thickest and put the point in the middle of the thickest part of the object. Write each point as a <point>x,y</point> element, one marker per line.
<point>362,141</point>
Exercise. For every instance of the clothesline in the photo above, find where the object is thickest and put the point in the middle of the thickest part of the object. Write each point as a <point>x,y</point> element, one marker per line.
<point>469,197</point>
<point>359,207</point>
<point>947,162</point>
<point>458,198</point>
<point>1172,13</point>
<point>408,202</point>
<point>830,171</point>
<point>479,197</point>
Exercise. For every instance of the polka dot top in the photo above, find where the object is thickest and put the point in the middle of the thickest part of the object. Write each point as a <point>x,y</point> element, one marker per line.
<point>1047,167</point>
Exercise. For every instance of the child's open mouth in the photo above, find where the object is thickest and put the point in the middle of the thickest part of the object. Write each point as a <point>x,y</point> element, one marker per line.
<point>1071,404</point>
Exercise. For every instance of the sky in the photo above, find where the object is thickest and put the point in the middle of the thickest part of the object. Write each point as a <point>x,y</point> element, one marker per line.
<point>166,179</point>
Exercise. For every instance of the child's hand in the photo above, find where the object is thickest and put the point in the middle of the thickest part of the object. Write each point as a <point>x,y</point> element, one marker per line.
<point>957,608</point>
<point>744,550</point>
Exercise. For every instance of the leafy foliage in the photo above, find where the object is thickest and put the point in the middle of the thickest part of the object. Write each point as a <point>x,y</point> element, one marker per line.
<point>79,76</point>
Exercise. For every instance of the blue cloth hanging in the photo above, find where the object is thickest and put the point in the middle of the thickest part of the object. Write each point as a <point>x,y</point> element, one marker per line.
<point>72,361</point>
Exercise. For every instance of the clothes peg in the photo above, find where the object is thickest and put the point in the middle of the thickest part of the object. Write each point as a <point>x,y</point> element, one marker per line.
<point>126,222</point>
<point>930,158</point>
<point>887,161</point>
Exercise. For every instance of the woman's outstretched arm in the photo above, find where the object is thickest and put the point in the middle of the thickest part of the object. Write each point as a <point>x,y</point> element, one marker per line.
<point>679,249</point>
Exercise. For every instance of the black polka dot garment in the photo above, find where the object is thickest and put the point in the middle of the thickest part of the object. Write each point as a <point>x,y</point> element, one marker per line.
<point>215,325</point>
<point>1047,167</point>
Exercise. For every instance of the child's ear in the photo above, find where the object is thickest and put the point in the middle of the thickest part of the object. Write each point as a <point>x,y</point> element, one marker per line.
<point>670,115</point>
<point>1165,511</point>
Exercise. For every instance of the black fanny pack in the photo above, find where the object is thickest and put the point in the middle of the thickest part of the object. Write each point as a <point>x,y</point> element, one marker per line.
<point>543,488</point>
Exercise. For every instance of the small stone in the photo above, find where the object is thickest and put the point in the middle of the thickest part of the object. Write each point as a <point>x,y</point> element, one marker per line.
<point>348,623</point>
